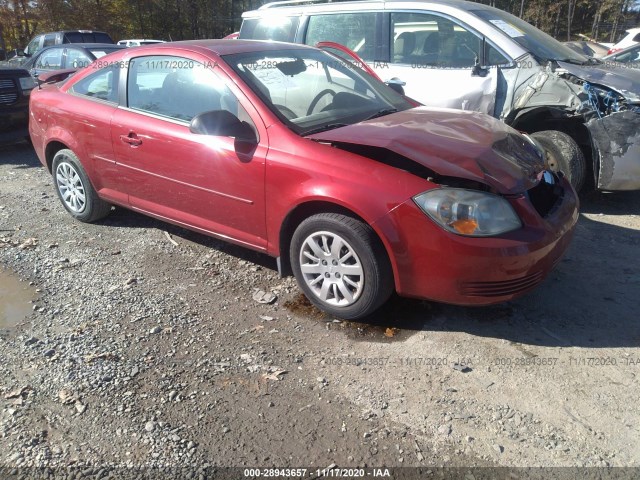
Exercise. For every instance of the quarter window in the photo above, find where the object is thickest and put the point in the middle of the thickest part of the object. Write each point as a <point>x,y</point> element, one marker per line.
<point>280,29</point>
<point>177,88</point>
<point>102,84</point>
<point>356,31</point>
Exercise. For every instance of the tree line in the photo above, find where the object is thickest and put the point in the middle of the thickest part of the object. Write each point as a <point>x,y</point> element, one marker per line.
<point>20,20</point>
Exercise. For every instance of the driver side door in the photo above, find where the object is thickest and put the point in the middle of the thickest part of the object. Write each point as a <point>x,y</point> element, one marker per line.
<point>208,183</point>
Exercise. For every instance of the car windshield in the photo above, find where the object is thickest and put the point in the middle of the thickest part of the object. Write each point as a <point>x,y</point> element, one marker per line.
<point>542,46</point>
<point>312,91</point>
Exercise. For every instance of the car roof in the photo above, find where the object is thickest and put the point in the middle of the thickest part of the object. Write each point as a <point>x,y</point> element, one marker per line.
<point>224,46</point>
<point>82,45</point>
<point>373,4</point>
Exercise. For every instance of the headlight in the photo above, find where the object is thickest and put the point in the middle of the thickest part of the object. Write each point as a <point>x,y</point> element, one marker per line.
<point>27,84</point>
<point>468,212</point>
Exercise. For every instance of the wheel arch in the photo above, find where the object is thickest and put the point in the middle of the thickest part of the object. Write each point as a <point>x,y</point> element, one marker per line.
<point>50,151</point>
<point>312,207</point>
<point>546,118</point>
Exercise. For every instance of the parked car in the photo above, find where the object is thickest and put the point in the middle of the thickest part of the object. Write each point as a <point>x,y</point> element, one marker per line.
<point>629,56</point>
<point>631,38</point>
<point>68,56</point>
<point>588,48</point>
<point>136,42</point>
<point>470,56</point>
<point>57,38</point>
<point>15,87</point>
<point>294,152</point>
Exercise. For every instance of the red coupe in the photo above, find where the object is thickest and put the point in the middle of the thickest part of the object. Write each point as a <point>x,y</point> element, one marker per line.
<point>294,152</point>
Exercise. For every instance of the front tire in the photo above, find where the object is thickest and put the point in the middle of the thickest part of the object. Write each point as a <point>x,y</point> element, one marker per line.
<point>562,153</point>
<point>74,189</point>
<point>340,265</point>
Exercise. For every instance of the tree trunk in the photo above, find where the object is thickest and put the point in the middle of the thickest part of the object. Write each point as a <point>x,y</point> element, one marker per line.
<point>570,8</point>
<point>556,26</point>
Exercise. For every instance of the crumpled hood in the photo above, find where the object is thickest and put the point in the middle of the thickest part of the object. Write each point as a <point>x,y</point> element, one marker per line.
<point>624,80</point>
<point>450,143</point>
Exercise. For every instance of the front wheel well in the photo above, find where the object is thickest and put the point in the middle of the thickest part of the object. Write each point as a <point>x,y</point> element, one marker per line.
<point>555,119</point>
<point>297,216</point>
<point>50,152</point>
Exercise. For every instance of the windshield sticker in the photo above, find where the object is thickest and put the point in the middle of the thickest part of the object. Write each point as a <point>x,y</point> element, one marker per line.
<point>507,28</point>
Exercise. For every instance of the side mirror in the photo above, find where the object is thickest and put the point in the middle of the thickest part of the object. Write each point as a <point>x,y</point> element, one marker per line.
<point>222,123</point>
<point>396,84</point>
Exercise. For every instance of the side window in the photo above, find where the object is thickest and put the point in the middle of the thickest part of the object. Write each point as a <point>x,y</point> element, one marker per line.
<point>177,88</point>
<point>49,39</point>
<point>77,59</point>
<point>357,31</point>
<point>34,45</point>
<point>50,60</point>
<point>281,29</point>
<point>102,84</point>
<point>637,38</point>
<point>428,40</point>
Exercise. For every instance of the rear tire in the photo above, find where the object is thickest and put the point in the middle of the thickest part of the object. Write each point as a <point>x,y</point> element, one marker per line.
<point>563,154</point>
<point>74,189</point>
<point>340,265</point>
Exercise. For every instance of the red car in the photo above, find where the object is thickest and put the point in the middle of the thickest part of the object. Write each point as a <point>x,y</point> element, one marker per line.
<point>291,151</point>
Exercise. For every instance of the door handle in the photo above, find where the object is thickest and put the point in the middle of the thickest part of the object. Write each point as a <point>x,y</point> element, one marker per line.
<point>132,139</point>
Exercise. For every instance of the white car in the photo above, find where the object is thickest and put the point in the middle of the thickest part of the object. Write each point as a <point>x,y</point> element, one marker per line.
<point>136,42</point>
<point>583,113</point>
<point>631,38</point>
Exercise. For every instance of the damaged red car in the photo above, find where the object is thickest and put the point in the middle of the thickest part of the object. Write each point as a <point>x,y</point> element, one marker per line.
<point>291,151</point>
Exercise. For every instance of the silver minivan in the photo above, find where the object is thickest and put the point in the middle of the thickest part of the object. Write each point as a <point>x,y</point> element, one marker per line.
<point>584,113</point>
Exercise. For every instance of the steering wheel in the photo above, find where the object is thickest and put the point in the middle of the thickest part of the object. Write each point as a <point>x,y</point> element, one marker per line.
<point>286,111</point>
<point>326,91</point>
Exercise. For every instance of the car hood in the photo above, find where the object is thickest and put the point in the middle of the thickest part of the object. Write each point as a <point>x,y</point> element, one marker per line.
<point>450,143</point>
<point>624,80</point>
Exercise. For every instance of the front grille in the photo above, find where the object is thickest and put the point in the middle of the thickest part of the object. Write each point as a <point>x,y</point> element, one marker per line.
<point>547,194</point>
<point>8,91</point>
<point>8,98</point>
<point>499,289</point>
<point>7,83</point>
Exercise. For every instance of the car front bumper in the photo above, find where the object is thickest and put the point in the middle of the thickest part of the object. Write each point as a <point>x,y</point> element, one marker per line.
<point>431,263</point>
<point>14,121</point>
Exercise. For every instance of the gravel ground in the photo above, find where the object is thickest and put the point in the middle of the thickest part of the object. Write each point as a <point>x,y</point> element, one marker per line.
<point>145,348</point>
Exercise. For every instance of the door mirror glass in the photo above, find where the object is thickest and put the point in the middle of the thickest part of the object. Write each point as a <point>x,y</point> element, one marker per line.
<point>222,123</point>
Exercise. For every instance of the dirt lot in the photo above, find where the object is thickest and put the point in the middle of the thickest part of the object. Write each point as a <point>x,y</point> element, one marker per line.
<point>144,348</point>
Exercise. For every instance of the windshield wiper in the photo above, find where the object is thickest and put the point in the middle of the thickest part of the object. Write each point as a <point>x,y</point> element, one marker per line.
<point>324,128</point>
<point>381,113</point>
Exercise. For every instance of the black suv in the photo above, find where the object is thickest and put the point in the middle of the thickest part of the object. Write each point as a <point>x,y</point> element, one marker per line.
<point>15,86</point>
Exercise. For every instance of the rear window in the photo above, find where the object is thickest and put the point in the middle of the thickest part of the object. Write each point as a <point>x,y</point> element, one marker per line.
<point>280,29</point>
<point>87,37</point>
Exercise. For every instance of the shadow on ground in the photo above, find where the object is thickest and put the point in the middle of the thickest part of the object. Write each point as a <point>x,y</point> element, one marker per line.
<point>589,300</point>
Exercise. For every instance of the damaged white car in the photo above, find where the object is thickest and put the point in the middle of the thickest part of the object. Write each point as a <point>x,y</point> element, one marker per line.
<point>585,114</point>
